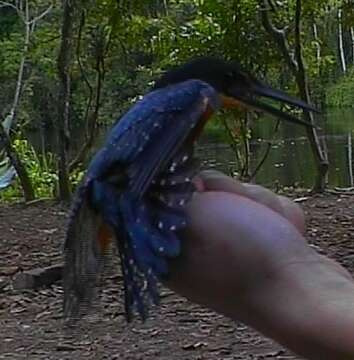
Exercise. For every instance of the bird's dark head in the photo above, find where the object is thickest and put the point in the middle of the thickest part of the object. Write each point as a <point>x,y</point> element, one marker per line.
<point>236,87</point>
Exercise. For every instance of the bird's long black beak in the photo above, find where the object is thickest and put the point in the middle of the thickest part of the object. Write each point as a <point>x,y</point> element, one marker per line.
<point>250,98</point>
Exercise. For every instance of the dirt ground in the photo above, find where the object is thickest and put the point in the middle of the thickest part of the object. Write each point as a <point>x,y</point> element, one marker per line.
<point>30,321</point>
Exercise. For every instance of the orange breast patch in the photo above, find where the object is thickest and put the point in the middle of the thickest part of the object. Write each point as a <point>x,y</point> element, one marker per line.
<point>104,238</point>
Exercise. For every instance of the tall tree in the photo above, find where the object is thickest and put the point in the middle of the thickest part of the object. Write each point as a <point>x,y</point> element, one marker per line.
<point>297,67</point>
<point>352,38</point>
<point>64,62</point>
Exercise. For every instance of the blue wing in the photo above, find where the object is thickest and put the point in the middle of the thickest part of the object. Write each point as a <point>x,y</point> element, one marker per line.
<point>150,134</point>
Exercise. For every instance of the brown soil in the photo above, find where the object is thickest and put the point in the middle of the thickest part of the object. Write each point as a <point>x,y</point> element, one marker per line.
<point>31,324</point>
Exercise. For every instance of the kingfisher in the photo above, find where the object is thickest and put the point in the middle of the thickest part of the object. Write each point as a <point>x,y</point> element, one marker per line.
<point>138,184</point>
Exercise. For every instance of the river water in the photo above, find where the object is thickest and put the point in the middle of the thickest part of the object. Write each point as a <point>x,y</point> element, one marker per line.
<point>289,162</point>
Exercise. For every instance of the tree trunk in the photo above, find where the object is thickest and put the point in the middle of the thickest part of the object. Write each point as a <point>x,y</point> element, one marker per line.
<point>340,42</point>
<point>245,125</point>
<point>352,37</point>
<point>321,159</point>
<point>64,63</point>
<point>26,184</point>
<point>350,159</point>
<point>318,46</point>
<point>91,115</point>
<point>319,154</point>
<point>13,111</point>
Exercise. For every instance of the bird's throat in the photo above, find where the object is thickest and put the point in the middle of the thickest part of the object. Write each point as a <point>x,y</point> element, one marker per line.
<point>201,124</point>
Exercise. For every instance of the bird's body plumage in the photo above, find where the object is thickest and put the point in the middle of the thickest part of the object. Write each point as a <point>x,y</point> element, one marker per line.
<point>139,182</point>
<point>151,130</point>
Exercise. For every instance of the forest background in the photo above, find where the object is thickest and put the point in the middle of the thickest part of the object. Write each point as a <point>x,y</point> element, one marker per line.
<point>70,69</point>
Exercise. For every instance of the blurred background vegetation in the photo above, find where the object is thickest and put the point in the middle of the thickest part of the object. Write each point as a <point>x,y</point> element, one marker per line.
<point>70,69</point>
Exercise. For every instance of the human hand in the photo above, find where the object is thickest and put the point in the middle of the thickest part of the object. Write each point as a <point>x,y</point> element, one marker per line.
<point>245,257</point>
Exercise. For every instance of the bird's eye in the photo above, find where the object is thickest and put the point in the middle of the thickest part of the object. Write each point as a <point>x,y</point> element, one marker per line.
<point>240,78</point>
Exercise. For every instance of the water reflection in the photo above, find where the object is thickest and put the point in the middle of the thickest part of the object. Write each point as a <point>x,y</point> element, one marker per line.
<point>289,161</point>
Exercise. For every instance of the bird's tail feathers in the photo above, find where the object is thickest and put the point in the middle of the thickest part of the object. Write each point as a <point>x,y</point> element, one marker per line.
<point>83,260</point>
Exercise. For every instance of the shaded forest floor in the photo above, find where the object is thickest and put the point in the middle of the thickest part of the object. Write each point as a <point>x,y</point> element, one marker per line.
<point>30,321</point>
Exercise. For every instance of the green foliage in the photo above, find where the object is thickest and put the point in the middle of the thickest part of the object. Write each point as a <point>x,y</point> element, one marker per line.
<point>215,132</point>
<point>76,176</point>
<point>41,169</point>
<point>341,94</point>
<point>239,134</point>
<point>8,21</point>
<point>10,55</point>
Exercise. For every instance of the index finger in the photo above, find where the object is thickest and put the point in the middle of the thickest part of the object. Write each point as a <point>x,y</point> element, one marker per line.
<point>211,180</point>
